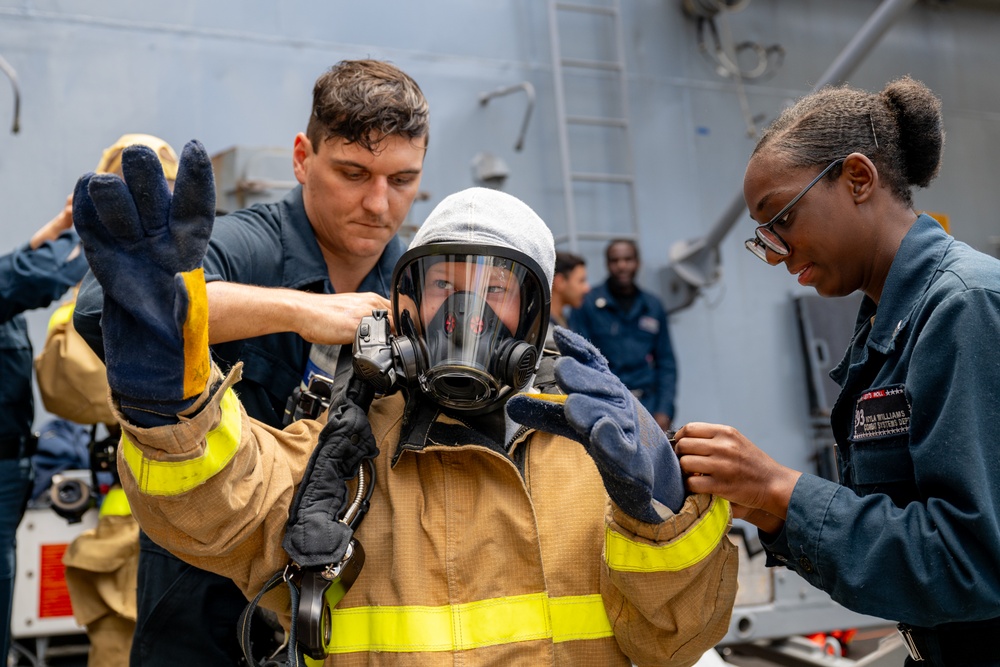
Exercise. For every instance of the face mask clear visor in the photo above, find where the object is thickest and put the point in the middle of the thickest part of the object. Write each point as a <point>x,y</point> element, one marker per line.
<point>477,321</point>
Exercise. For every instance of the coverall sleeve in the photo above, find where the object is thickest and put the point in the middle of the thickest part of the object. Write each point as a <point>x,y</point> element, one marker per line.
<point>239,250</point>
<point>669,588</point>
<point>31,279</point>
<point>933,561</point>
<point>215,489</point>
<point>666,368</point>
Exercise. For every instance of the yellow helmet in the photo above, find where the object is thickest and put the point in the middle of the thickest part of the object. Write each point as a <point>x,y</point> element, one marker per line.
<point>111,160</point>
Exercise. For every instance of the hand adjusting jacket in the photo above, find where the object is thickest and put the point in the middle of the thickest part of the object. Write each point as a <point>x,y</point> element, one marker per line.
<point>633,455</point>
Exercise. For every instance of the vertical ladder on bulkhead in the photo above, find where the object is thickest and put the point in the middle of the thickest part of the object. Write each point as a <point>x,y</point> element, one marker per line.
<point>618,179</point>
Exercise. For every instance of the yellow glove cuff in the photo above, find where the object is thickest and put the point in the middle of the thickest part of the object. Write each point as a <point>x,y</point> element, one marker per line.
<point>197,366</point>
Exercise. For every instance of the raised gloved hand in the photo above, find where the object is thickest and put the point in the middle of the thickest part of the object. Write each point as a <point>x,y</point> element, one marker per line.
<point>146,248</point>
<point>633,455</point>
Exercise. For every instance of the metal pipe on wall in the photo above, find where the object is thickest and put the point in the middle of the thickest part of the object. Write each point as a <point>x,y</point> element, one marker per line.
<point>529,90</point>
<point>694,264</point>
<point>12,75</point>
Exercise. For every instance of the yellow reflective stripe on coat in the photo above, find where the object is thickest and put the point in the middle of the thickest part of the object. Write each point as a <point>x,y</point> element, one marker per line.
<point>61,315</point>
<point>171,478</point>
<point>115,503</point>
<point>460,627</point>
<point>625,555</point>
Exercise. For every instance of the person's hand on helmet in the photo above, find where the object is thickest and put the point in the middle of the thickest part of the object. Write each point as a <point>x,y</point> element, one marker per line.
<point>633,455</point>
<point>146,248</point>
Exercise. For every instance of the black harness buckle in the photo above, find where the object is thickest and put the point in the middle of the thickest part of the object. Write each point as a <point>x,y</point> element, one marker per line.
<point>321,591</point>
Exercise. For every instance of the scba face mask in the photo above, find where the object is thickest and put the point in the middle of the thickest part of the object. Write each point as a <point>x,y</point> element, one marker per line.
<point>470,320</point>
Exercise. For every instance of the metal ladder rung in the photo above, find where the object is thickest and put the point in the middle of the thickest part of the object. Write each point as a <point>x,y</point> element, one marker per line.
<point>603,65</point>
<point>585,9</point>
<point>594,120</point>
<point>602,178</point>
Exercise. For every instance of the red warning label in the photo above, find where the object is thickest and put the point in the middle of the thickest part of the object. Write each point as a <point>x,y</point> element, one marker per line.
<point>53,595</point>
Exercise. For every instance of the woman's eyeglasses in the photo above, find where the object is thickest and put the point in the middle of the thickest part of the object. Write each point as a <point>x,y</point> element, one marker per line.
<point>765,238</point>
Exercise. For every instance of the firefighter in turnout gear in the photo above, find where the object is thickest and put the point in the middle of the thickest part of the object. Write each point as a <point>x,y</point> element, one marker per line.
<point>524,513</point>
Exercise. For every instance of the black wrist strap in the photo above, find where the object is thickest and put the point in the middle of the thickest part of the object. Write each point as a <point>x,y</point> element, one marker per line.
<point>294,657</point>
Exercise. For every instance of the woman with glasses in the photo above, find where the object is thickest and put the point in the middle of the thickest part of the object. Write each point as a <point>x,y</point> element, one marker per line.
<point>912,531</point>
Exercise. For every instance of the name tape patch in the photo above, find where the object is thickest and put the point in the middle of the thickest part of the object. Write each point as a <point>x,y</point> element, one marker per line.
<point>649,324</point>
<point>881,412</point>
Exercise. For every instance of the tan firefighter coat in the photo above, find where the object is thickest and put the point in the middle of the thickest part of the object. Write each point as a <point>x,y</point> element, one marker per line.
<point>468,562</point>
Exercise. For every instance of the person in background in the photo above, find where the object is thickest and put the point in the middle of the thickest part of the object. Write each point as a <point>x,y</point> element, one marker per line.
<point>288,283</point>
<point>101,563</point>
<point>629,326</point>
<point>569,286</point>
<point>32,276</point>
<point>912,530</point>
<point>486,542</point>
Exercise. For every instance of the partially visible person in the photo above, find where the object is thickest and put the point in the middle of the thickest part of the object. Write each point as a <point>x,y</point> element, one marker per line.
<point>629,326</point>
<point>32,276</point>
<point>288,283</point>
<point>569,286</point>
<point>912,531</point>
<point>101,563</point>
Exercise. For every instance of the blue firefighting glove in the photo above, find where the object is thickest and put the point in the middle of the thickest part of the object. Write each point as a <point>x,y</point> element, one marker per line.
<point>146,247</point>
<point>632,453</point>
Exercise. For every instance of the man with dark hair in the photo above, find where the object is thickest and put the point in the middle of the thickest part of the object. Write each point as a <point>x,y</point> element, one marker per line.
<point>569,285</point>
<point>629,326</point>
<point>288,283</point>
